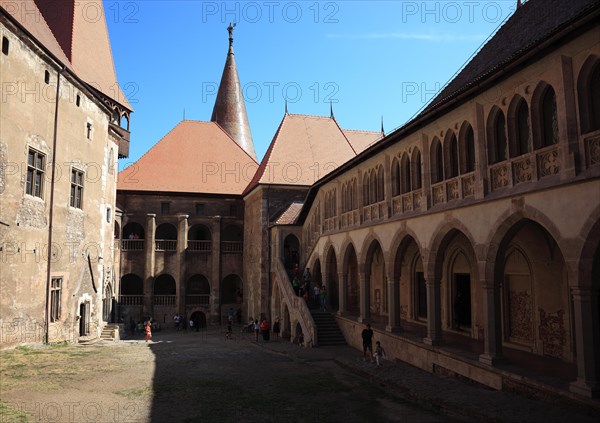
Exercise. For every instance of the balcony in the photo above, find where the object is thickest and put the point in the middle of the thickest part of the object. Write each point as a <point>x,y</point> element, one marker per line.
<point>232,247</point>
<point>411,201</point>
<point>591,142</point>
<point>164,300</point>
<point>132,245</point>
<point>131,300</point>
<point>350,219</point>
<point>374,211</point>
<point>123,137</point>
<point>197,300</point>
<point>526,168</point>
<point>200,246</point>
<point>456,188</point>
<point>166,245</point>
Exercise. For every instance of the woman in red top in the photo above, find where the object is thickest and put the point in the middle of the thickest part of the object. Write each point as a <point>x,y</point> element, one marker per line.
<point>148,329</point>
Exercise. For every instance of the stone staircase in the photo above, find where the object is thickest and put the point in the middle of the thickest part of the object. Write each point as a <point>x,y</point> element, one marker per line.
<point>328,331</point>
<point>110,332</point>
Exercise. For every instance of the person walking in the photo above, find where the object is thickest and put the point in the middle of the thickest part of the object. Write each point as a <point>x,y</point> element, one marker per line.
<point>379,353</point>
<point>323,298</point>
<point>264,329</point>
<point>148,329</point>
<point>367,338</point>
<point>276,328</point>
<point>256,329</point>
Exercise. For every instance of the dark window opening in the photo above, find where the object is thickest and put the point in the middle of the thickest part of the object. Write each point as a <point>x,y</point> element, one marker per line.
<point>78,100</point>
<point>233,211</point>
<point>55,298</point>
<point>89,131</point>
<point>36,163</point>
<point>5,46</point>
<point>462,300</point>
<point>76,188</point>
<point>421,296</point>
<point>165,208</point>
<point>200,209</point>
<point>47,77</point>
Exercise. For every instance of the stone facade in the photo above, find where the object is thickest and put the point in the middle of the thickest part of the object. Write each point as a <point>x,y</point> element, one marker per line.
<point>58,156</point>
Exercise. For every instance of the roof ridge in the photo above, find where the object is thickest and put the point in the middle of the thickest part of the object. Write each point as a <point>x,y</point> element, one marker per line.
<point>232,140</point>
<point>361,130</point>
<point>310,116</point>
<point>345,137</point>
<point>261,167</point>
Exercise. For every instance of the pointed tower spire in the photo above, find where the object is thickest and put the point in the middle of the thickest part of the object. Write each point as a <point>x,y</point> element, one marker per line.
<point>286,109</point>
<point>382,130</point>
<point>331,110</point>
<point>230,110</point>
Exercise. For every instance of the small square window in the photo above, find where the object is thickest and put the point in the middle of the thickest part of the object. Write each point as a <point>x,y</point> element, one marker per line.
<point>47,77</point>
<point>108,214</point>
<point>200,209</point>
<point>165,208</point>
<point>233,211</point>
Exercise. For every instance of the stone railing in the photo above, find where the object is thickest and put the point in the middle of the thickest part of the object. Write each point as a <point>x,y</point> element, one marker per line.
<point>232,247</point>
<point>197,300</point>
<point>530,167</point>
<point>592,148</point>
<point>457,188</point>
<point>132,245</point>
<point>166,244</point>
<point>164,300</point>
<point>200,246</point>
<point>330,224</point>
<point>407,202</point>
<point>297,306</point>
<point>350,218</point>
<point>375,211</point>
<point>131,300</point>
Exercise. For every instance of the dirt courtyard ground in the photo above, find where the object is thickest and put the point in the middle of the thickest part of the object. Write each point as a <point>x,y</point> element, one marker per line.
<point>189,377</point>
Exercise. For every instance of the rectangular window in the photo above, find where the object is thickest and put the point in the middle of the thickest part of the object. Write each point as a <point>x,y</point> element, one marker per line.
<point>200,209</point>
<point>36,163</point>
<point>76,188</point>
<point>232,210</point>
<point>421,297</point>
<point>5,46</point>
<point>55,297</point>
<point>89,131</point>
<point>46,77</point>
<point>165,208</point>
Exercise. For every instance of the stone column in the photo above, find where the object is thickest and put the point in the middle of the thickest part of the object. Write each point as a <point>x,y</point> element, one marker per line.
<point>149,255</point>
<point>393,287</point>
<point>342,294</point>
<point>492,344</point>
<point>215,274</point>
<point>568,140</point>
<point>434,313</point>
<point>364,298</point>
<point>587,341</point>
<point>180,276</point>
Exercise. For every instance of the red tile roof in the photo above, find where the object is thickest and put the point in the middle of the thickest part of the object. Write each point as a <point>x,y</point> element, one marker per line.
<point>306,148</point>
<point>75,32</point>
<point>360,140</point>
<point>289,216</point>
<point>195,157</point>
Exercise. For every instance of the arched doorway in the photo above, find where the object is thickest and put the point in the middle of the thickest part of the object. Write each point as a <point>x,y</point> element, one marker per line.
<point>332,279</point>
<point>535,294</point>
<point>231,290</point>
<point>291,253</point>
<point>199,319</point>
<point>351,281</point>
<point>376,282</point>
<point>107,303</point>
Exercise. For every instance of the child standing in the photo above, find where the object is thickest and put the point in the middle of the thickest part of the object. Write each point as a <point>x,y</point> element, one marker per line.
<point>148,329</point>
<point>379,353</point>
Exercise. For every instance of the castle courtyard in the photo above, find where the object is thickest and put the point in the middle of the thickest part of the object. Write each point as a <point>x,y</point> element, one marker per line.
<point>201,376</point>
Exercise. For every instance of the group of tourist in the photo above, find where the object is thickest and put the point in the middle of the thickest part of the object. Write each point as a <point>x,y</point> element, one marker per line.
<point>307,288</point>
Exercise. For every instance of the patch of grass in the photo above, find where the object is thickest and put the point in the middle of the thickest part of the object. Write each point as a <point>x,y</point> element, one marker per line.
<point>136,393</point>
<point>10,414</point>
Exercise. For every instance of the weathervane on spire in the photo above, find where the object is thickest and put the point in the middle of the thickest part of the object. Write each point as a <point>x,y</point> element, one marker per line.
<point>230,29</point>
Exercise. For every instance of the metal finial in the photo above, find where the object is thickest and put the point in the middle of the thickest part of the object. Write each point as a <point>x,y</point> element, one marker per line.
<point>230,29</point>
<point>286,109</point>
<point>331,110</point>
<point>382,130</point>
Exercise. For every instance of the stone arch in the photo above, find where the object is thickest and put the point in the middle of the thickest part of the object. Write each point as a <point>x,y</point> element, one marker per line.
<point>376,293</point>
<point>588,92</point>
<point>496,136</point>
<point>331,278</point>
<point>197,292</point>
<point>440,236</point>
<point>436,157</point>
<point>165,285</point>
<point>395,171</point>
<point>408,304</point>
<point>536,310</point>
<point>199,232</point>
<point>544,116</point>
<point>417,169</point>
<point>351,281</point>
<point>199,318</point>
<point>451,163</point>
<point>131,284</point>
<point>166,231</point>
<point>461,288</point>
<point>117,230</point>
<point>466,148</point>
<point>133,229</point>
<point>519,127</point>
<point>590,234</point>
<point>291,252</point>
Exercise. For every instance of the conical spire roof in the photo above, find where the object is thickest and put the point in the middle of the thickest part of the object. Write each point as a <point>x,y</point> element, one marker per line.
<point>230,111</point>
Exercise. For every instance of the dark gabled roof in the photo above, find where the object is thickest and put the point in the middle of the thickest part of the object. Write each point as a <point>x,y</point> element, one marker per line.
<point>531,23</point>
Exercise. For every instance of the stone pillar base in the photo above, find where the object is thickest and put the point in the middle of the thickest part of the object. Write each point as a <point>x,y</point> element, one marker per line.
<point>491,360</point>
<point>432,342</point>
<point>393,329</point>
<point>581,388</point>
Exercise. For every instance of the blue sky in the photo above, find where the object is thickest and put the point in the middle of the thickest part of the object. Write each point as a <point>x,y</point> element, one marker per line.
<point>369,59</point>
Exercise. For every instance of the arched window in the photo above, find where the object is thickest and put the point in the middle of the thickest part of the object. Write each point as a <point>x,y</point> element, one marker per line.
<point>406,184</point>
<point>416,168</point>
<point>588,89</point>
<point>365,198</point>
<point>496,131</point>
<point>544,116</point>
<point>380,184</point>
<point>373,187</point>
<point>437,161</point>
<point>451,159</point>
<point>467,149</point>
<point>354,195</point>
<point>395,177</point>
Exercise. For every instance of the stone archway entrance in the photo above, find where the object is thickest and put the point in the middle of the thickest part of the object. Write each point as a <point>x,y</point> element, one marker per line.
<point>199,319</point>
